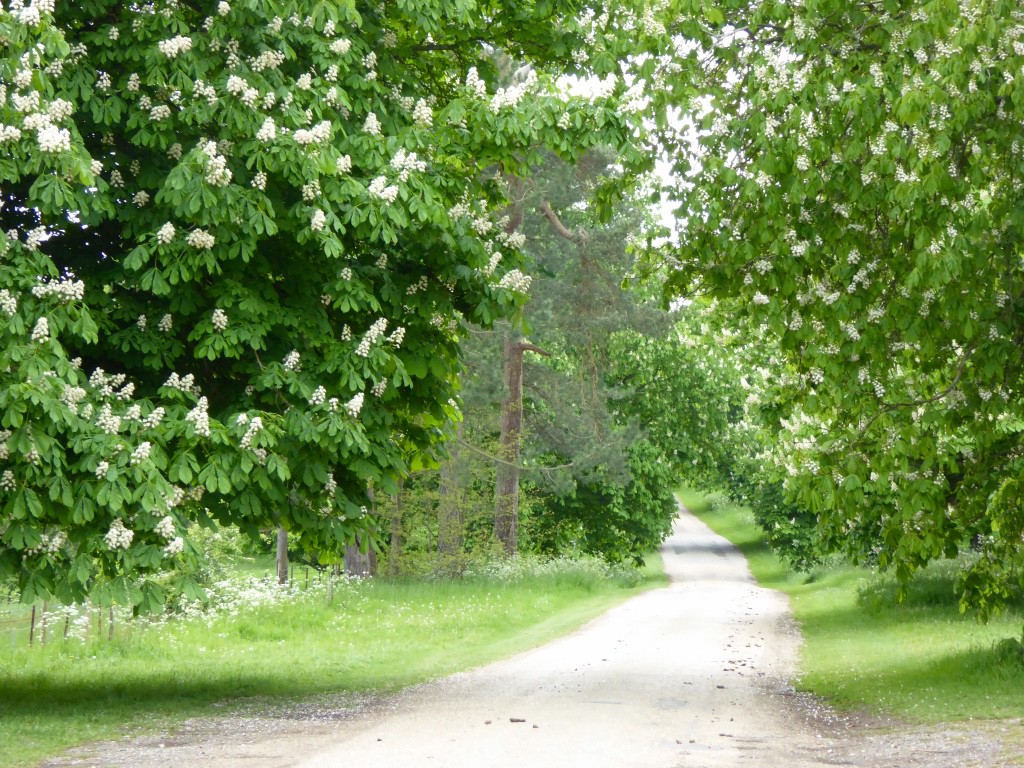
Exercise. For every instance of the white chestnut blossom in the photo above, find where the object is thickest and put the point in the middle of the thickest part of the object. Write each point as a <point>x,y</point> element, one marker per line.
<point>376,330</point>
<point>219,320</point>
<point>217,172</point>
<point>165,528</point>
<point>141,453</point>
<point>172,47</point>
<point>108,421</point>
<point>255,425</point>
<point>319,396</point>
<point>174,546</point>
<point>515,280</point>
<point>41,331</point>
<point>267,131</point>
<point>53,139</point>
<point>422,114</point>
<point>372,125</point>
<point>152,421</point>
<point>477,86</point>
<point>64,289</point>
<point>381,190</point>
<point>8,302</point>
<point>318,134</point>
<point>118,537</point>
<point>200,418</point>
<point>200,238</point>
<point>405,163</point>
<point>355,405</point>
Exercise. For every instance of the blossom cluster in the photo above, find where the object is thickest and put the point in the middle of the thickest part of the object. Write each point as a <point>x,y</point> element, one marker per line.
<point>199,417</point>
<point>376,330</point>
<point>252,430</point>
<point>118,537</point>
<point>381,190</point>
<point>355,405</point>
<point>49,544</point>
<point>516,281</point>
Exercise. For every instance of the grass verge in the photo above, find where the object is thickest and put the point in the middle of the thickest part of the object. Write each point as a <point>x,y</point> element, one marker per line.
<point>375,636</point>
<point>920,659</point>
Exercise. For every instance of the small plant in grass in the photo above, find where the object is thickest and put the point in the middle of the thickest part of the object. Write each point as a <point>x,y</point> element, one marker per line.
<point>1010,653</point>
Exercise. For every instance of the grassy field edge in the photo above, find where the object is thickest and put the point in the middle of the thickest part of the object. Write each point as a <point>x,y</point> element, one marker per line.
<point>377,637</point>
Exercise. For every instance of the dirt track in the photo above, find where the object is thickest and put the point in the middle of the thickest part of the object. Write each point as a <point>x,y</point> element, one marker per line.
<point>690,675</point>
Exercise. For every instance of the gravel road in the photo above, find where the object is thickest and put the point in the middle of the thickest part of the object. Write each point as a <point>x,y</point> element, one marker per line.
<point>694,674</point>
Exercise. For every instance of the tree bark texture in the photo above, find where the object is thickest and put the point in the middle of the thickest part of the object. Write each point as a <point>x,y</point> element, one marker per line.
<point>506,486</point>
<point>359,563</point>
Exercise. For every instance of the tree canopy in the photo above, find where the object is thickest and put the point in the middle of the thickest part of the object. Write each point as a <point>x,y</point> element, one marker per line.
<point>240,238</point>
<point>854,197</point>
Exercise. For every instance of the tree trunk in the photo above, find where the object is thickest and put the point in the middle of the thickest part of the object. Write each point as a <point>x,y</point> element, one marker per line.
<point>359,563</point>
<point>506,486</point>
<point>451,520</point>
<point>395,520</point>
<point>282,556</point>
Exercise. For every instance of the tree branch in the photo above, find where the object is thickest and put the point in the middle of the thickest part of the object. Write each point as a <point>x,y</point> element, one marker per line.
<point>579,236</point>
<point>492,457</point>
<point>889,407</point>
<point>527,347</point>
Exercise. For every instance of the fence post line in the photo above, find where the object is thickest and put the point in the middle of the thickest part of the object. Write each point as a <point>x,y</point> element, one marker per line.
<point>32,627</point>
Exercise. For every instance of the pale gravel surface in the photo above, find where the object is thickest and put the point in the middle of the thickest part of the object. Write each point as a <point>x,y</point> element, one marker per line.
<point>690,675</point>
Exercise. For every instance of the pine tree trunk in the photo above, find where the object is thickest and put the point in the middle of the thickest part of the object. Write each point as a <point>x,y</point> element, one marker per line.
<point>506,487</point>
<point>282,556</point>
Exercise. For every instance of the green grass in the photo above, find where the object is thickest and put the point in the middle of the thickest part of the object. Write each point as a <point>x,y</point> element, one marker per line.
<point>376,636</point>
<point>920,660</point>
